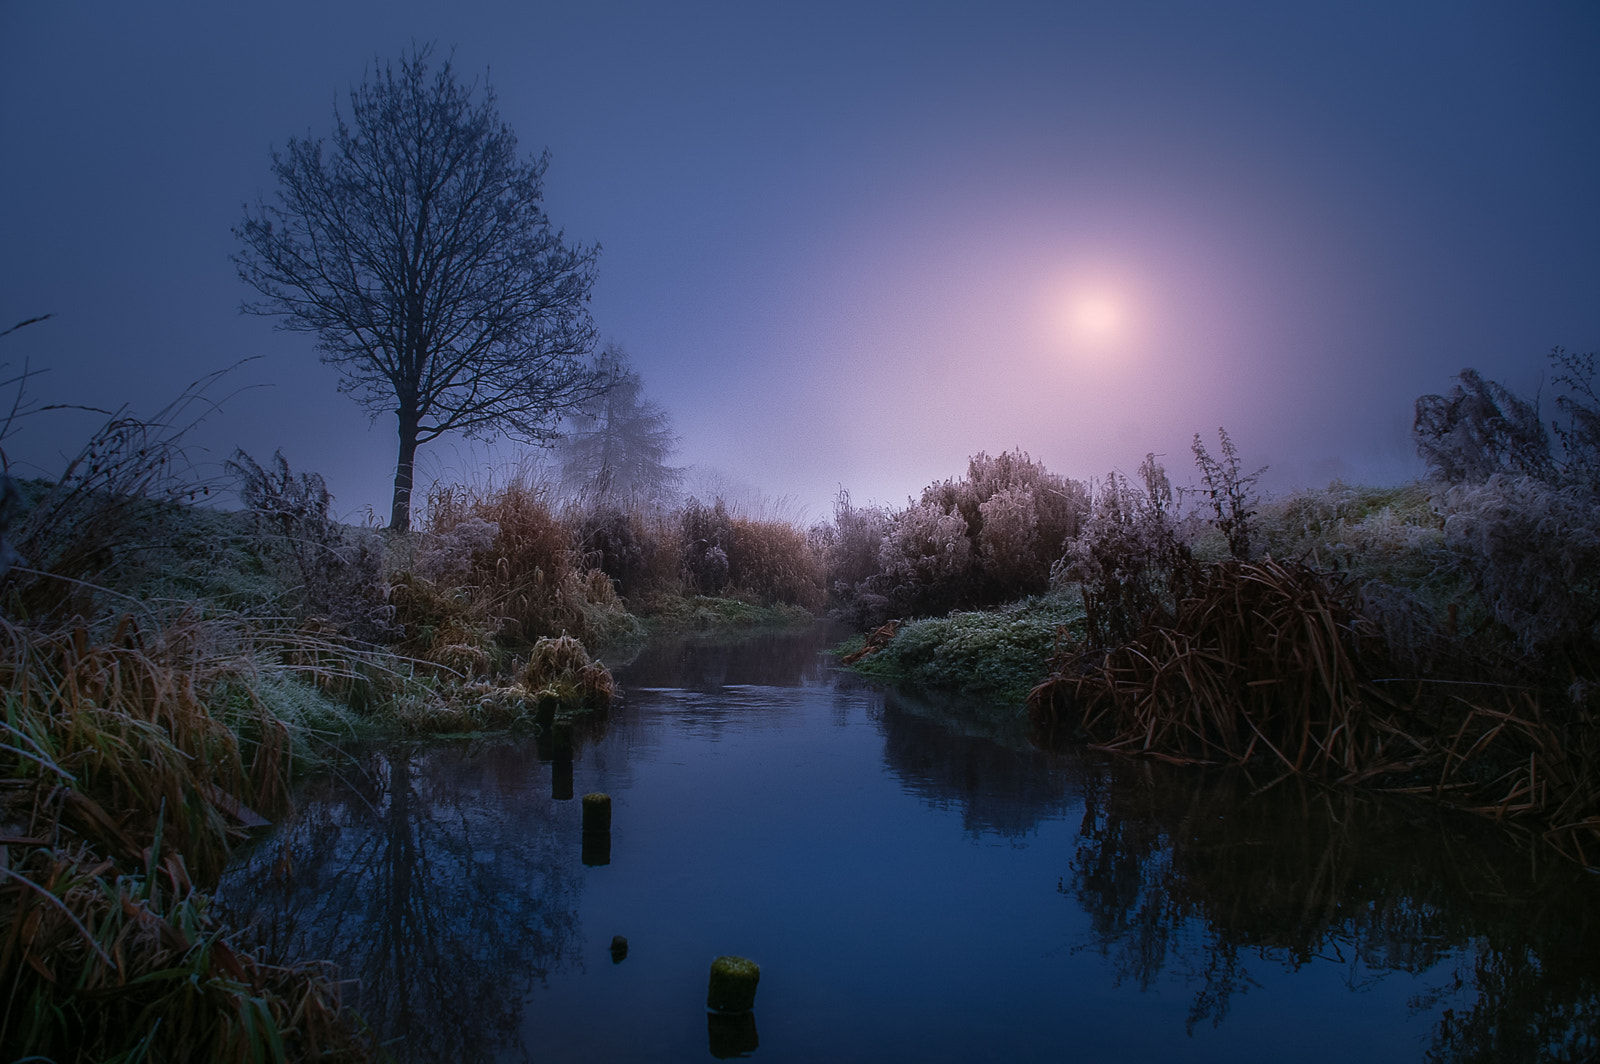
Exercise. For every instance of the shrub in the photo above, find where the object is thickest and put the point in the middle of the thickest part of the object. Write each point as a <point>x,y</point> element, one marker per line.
<point>1580,436</point>
<point>924,558</point>
<point>334,572</point>
<point>1230,492</point>
<point>614,541</point>
<point>773,562</point>
<point>1008,543</point>
<point>1533,552</point>
<point>1478,430</point>
<point>707,534</point>
<point>1033,499</point>
<point>1129,559</point>
<point>850,547</point>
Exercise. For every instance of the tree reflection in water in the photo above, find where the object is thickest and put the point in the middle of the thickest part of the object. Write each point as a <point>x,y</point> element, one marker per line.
<point>443,880</point>
<point>1195,872</point>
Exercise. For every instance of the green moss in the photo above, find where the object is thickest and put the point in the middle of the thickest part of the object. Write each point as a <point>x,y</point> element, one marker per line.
<point>670,614</point>
<point>733,984</point>
<point>996,655</point>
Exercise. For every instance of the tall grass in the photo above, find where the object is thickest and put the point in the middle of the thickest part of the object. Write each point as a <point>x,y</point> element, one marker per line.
<point>134,757</point>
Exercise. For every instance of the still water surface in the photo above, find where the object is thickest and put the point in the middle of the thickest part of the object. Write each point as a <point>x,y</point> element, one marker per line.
<point>915,888</point>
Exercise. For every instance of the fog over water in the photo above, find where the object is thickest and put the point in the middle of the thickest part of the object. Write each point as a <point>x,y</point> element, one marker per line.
<point>852,246</point>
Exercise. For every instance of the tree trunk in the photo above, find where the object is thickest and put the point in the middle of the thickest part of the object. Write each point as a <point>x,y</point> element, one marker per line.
<point>400,516</point>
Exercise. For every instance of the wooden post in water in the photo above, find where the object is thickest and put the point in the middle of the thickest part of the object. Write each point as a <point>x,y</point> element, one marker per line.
<point>733,984</point>
<point>596,829</point>
<point>596,812</point>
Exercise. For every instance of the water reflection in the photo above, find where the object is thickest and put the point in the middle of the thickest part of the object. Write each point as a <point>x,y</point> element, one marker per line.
<point>1002,788</point>
<point>1199,873</point>
<point>449,882</point>
<point>440,880</point>
<point>781,658</point>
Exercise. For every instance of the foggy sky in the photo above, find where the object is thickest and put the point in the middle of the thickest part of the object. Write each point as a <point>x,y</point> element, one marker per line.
<point>839,243</point>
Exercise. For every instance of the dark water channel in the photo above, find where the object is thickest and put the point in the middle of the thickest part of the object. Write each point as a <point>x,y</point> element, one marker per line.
<point>914,890</point>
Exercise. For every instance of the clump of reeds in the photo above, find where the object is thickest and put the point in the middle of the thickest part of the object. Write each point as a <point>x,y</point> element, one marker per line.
<point>503,565</point>
<point>1276,661</point>
<point>561,669</point>
<point>1264,657</point>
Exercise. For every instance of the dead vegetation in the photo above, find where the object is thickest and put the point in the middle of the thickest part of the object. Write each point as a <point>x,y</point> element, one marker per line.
<point>134,758</point>
<point>1276,662</point>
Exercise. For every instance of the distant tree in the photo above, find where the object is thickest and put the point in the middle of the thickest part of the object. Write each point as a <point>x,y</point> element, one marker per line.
<point>415,248</point>
<point>618,443</point>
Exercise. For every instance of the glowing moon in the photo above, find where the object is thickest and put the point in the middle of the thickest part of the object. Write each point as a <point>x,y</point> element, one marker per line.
<point>1090,320</point>
<point>1096,317</point>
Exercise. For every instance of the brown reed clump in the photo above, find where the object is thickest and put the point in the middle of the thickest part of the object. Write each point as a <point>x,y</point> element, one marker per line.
<point>1264,658</point>
<point>514,571</point>
<point>1276,661</point>
<point>561,668</point>
<point>773,562</point>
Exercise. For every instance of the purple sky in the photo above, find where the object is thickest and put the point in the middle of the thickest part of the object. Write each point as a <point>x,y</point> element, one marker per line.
<point>853,244</point>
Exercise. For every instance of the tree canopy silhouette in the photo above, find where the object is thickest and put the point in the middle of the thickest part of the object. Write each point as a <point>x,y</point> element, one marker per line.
<point>415,248</point>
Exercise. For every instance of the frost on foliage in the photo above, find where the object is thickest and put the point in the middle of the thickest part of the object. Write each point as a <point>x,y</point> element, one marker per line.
<point>448,557</point>
<point>1479,429</point>
<point>1008,542</point>
<point>707,535</point>
<point>1533,550</point>
<point>923,554</point>
<point>1128,558</point>
<point>338,573</point>
<point>850,547</point>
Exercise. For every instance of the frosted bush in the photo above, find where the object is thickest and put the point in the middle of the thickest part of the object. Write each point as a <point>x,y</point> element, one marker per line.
<point>611,539</point>
<point>1058,505</point>
<point>851,544</point>
<point>1129,559</point>
<point>924,555</point>
<point>1008,542</point>
<point>448,557</point>
<point>707,534</point>
<point>1533,551</point>
<point>1478,430</point>
<point>336,573</point>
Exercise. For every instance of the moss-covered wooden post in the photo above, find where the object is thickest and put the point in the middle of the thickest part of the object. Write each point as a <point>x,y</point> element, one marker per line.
<point>596,829</point>
<point>596,812</point>
<point>733,984</point>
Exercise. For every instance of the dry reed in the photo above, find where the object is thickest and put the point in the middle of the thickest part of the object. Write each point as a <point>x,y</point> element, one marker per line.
<point>1275,661</point>
<point>133,758</point>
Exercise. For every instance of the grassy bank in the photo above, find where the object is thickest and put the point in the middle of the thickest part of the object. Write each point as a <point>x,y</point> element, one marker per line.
<point>169,671</point>
<point>995,655</point>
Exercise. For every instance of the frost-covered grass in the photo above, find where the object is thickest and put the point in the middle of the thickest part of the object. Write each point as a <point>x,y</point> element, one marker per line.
<point>996,655</point>
<point>669,614</point>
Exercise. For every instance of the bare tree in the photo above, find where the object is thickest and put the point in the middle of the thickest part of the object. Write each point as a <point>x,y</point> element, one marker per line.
<point>415,248</point>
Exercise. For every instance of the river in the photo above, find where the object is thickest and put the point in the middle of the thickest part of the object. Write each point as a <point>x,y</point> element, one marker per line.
<point>915,887</point>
